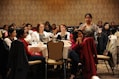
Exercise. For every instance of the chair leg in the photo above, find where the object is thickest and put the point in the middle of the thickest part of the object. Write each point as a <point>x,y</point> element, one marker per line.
<point>46,71</point>
<point>112,68</point>
<point>106,65</point>
<point>64,69</point>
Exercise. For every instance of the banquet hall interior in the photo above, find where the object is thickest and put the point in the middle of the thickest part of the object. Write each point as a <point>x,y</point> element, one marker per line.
<point>67,13</point>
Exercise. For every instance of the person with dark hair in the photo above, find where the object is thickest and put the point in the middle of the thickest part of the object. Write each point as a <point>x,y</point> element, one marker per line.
<point>13,25</point>
<point>29,30</point>
<point>106,31</point>
<point>63,34</point>
<point>102,41</point>
<point>86,49</point>
<point>48,27</point>
<point>21,34</point>
<point>106,28</point>
<point>89,29</point>
<point>11,36</point>
<point>74,55</point>
<point>54,32</point>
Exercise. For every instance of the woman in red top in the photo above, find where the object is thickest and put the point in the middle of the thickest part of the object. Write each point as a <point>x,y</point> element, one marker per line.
<point>85,47</point>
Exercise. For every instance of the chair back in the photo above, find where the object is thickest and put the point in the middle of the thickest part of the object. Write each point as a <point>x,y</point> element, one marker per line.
<point>55,50</point>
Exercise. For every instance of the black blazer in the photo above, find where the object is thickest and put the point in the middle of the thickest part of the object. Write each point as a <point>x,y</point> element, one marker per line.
<point>4,51</point>
<point>18,62</point>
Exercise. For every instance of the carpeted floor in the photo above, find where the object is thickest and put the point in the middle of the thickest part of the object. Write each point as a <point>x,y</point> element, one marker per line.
<point>101,70</point>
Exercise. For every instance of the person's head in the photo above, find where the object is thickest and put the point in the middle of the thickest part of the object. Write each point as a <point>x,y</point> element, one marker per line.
<point>13,25</point>
<point>88,18</point>
<point>5,27</point>
<point>54,29</point>
<point>40,27</point>
<point>112,31</point>
<point>77,34</point>
<point>21,33</point>
<point>29,26</point>
<point>100,24</point>
<point>112,23</point>
<point>12,32</point>
<point>106,26</point>
<point>48,27</point>
<point>54,26</point>
<point>63,28</point>
<point>25,28</point>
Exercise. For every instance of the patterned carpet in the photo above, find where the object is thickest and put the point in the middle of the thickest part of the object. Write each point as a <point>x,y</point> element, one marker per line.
<point>102,71</point>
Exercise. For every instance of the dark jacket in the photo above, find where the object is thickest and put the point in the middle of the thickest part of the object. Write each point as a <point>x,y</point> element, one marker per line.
<point>18,62</point>
<point>102,42</point>
<point>4,51</point>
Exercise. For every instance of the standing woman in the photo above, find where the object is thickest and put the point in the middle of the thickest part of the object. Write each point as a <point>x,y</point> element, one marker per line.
<point>89,29</point>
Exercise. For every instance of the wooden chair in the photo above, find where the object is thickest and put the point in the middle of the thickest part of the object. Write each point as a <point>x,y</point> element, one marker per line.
<point>34,62</point>
<point>55,55</point>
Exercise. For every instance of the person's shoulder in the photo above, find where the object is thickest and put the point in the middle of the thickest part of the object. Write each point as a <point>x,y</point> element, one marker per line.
<point>58,33</point>
<point>67,32</point>
<point>6,39</point>
<point>82,25</point>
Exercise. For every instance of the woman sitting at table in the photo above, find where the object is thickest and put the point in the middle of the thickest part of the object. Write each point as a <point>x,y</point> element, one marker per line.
<point>40,34</point>
<point>11,36</point>
<point>63,34</point>
<point>86,48</point>
<point>74,55</point>
<point>21,34</point>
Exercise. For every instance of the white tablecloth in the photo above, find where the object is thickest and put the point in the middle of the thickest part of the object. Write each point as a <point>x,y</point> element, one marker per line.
<point>43,47</point>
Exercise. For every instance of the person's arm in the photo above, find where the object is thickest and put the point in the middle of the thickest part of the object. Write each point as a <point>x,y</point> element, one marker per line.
<point>77,44</point>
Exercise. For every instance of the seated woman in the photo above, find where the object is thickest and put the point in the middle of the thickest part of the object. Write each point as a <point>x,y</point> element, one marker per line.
<point>40,34</point>
<point>86,48</point>
<point>11,36</point>
<point>63,34</point>
<point>74,53</point>
<point>21,34</point>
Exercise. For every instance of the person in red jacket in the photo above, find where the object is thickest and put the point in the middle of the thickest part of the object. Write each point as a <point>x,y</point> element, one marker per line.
<point>86,48</point>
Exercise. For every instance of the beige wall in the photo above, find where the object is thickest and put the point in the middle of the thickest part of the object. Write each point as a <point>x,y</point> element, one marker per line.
<point>69,12</point>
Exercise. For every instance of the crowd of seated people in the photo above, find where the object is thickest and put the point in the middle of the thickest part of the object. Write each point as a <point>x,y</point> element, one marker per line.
<point>105,37</point>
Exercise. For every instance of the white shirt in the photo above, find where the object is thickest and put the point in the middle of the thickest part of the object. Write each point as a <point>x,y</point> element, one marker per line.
<point>66,33</point>
<point>36,36</point>
<point>9,42</point>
